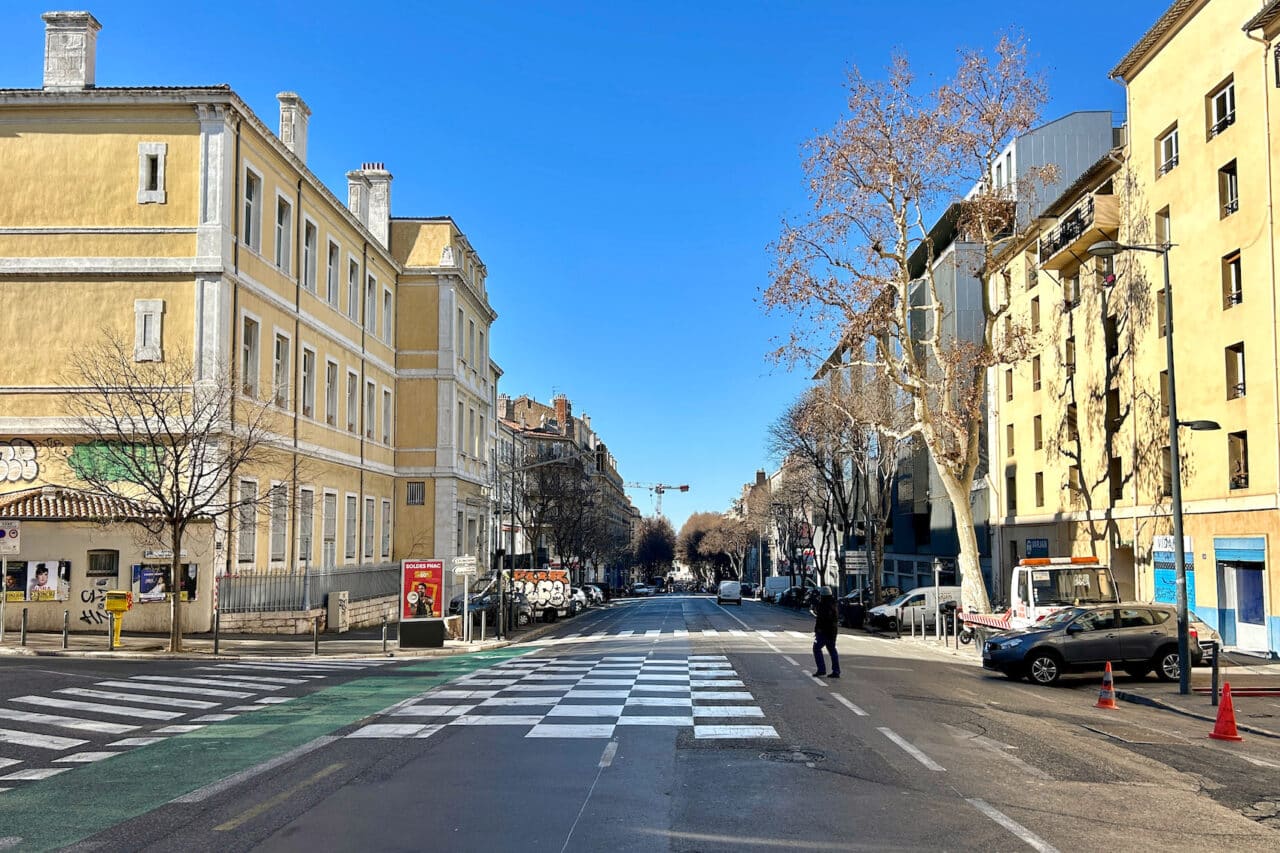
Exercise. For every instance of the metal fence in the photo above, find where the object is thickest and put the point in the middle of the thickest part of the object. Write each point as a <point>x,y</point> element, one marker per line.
<point>257,593</point>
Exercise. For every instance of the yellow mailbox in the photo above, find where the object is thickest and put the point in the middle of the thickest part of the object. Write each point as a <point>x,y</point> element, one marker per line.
<point>118,602</point>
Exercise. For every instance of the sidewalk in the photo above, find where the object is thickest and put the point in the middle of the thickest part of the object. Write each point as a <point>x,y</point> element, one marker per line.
<point>353,644</point>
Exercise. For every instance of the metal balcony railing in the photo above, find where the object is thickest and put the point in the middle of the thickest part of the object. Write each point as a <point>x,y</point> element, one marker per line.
<point>1234,297</point>
<point>1069,229</point>
<point>1222,124</point>
<point>1169,165</point>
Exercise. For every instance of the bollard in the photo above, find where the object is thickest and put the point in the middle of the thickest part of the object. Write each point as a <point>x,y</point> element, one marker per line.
<point>315,636</point>
<point>483,615</point>
<point>955,627</point>
<point>897,624</point>
<point>66,627</point>
<point>1213,691</point>
<point>217,627</point>
<point>22,637</point>
<point>384,634</point>
<point>111,632</point>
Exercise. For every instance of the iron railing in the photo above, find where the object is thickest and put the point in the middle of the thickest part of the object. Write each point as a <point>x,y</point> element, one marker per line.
<point>1069,229</point>
<point>272,592</point>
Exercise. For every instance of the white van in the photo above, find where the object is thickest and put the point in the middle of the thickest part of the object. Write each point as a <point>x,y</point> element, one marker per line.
<point>910,606</point>
<point>774,587</point>
<point>729,591</point>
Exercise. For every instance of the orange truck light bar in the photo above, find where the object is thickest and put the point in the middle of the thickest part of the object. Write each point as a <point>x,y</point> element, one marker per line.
<point>1058,561</point>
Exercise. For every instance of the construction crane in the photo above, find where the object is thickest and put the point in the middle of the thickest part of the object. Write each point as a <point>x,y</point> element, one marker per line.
<point>658,489</point>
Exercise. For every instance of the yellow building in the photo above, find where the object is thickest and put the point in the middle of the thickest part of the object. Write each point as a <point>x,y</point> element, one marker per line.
<point>175,219</point>
<point>1081,428</point>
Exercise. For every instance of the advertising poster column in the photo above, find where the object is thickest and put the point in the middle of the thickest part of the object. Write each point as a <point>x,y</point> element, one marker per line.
<point>421,590</point>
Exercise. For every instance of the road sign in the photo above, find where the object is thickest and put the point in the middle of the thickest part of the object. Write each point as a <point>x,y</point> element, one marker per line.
<point>855,561</point>
<point>464,565</point>
<point>9,536</point>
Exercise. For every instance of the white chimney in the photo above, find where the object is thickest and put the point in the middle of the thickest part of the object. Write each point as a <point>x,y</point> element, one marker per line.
<point>294,114</point>
<point>70,48</point>
<point>369,198</point>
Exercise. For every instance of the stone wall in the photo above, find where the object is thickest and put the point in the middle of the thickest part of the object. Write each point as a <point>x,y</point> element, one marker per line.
<point>362,614</point>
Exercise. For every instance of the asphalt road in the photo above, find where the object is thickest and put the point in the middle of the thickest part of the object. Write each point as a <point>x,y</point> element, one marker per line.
<point>668,723</point>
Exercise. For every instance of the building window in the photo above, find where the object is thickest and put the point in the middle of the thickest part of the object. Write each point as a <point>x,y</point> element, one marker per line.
<point>1164,394</point>
<point>350,527</point>
<point>1238,449</point>
<point>471,342</point>
<point>1160,313</point>
<point>1104,270</point>
<point>251,228</point>
<point>310,247</point>
<point>371,304</point>
<point>368,529</point>
<point>386,315</point>
<point>331,393</point>
<point>462,448</point>
<point>1037,429</point>
<point>1112,412</point>
<point>386,415</point>
<point>1008,384</point>
<point>1008,439</point>
<point>353,402</point>
<point>1232,283</point>
<point>308,383</point>
<point>280,371</point>
<point>1035,314</point>
<point>1072,424</point>
<point>415,493</point>
<point>1222,108</point>
<point>471,433</point>
<point>247,521</point>
<point>1032,261</point>
<point>353,291</point>
<point>147,317</point>
<point>151,156</point>
<point>1235,371</point>
<point>1166,473</point>
<point>284,234</point>
<point>306,520</point>
<point>1164,227</point>
<point>1039,488</point>
<point>279,522</point>
<point>480,348</point>
<point>1167,151</point>
<point>1011,493</point>
<point>329,543</point>
<point>370,411</point>
<point>386,530</point>
<point>1228,190</point>
<point>1071,290</point>
<point>1075,482</point>
<point>1110,338</point>
<point>1115,476</point>
<point>457,341</point>
<point>332,273</point>
<point>249,357</point>
<point>1035,373</point>
<point>104,564</point>
<point>1069,357</point>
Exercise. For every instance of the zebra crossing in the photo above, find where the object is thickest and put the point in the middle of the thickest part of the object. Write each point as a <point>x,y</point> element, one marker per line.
<point>47,734</point>
<point>675,634</point>
<point>566,697</point>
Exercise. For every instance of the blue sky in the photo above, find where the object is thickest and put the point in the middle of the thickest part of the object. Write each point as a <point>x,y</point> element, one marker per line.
<point>621,167</point>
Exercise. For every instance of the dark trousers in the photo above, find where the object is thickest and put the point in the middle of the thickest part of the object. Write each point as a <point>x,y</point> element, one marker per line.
<point>822,640</point>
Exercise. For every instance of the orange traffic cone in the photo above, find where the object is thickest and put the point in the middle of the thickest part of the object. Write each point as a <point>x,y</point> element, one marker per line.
<point>1225,727</point>
<point>1107,695</point>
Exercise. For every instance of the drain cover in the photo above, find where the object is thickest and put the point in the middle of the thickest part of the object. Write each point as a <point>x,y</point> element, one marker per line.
<point>793,756</point>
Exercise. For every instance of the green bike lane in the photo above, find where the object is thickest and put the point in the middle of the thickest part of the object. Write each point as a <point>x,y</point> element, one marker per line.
<point>82,802</point>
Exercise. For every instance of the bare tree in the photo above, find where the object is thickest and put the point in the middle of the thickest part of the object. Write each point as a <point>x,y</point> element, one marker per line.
<point>690,548</point>
<point>655,544</point>
<point>730,537</point>
<point>792,507</point>
<point>161,436</point>
<point>860,267</point>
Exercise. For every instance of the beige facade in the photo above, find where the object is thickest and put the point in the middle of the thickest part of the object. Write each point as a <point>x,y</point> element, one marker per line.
<point>1080,430</point>
<point>175,219</point>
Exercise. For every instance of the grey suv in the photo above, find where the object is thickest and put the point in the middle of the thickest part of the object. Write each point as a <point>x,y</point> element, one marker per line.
<point>1134,637</point>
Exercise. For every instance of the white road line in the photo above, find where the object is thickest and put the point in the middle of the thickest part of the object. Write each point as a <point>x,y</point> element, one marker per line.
<point>34,774</point>
<point>820,682</point>
<point>681,632</point>
<point>268,679</point>
<point>710,632</point>
<point>797,635</point>
<point>98,707</point>
<point>624,633</point>
<point>208,682</point>
<point>653,632</point>
<point>852,707</point>
<point>175,688</point>
<point>790,660</point>
<point>201,794</point>
<point>1032,840</point>
<point>737,633</point>
<point>610,750</point>
<point>172,702</point>
<point>911,750</point>
<point>9,762</point>
<point>22,716</point>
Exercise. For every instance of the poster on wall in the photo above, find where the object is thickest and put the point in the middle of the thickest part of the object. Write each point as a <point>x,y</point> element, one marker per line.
<point>1166,572</point>
<point>151,582</point>
<point>188,585</point>
<point>420,585</point>
<point>15,580</point>
<point>49,580</point>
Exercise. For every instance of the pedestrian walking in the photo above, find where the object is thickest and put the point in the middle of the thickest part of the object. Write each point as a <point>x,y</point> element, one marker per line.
<point>825,630</point>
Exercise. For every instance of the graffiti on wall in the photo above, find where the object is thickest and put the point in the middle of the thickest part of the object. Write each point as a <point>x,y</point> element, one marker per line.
<point>18,461</point>
<point>544,588</point>
<point>94,600</point>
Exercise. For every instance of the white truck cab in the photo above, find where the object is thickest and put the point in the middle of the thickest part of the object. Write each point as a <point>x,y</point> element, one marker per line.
<point>1043,585</point>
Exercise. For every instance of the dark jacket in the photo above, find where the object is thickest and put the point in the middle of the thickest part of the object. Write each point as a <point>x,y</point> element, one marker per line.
<point>828,615</point>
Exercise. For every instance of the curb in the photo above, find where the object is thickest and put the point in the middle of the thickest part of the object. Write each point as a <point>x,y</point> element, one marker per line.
<point>1150,702</point>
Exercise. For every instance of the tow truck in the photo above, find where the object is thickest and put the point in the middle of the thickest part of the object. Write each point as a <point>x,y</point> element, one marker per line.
<point>1041,586</point>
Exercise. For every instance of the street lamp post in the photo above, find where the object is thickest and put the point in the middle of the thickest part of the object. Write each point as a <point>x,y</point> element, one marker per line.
<point>1110,248</point>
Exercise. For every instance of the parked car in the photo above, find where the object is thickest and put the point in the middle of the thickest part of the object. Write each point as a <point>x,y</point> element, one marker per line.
<point>1134,637</point>
<point>594,594</point>
<point>577,600</point>
<point>853,608</point>
<point>774,587</point>
<point>729,591</point>
<point>918,606</point>
<point>749,590</point>
<point>640,589</point>
<point>796,596</point>
<point>522,608</point>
